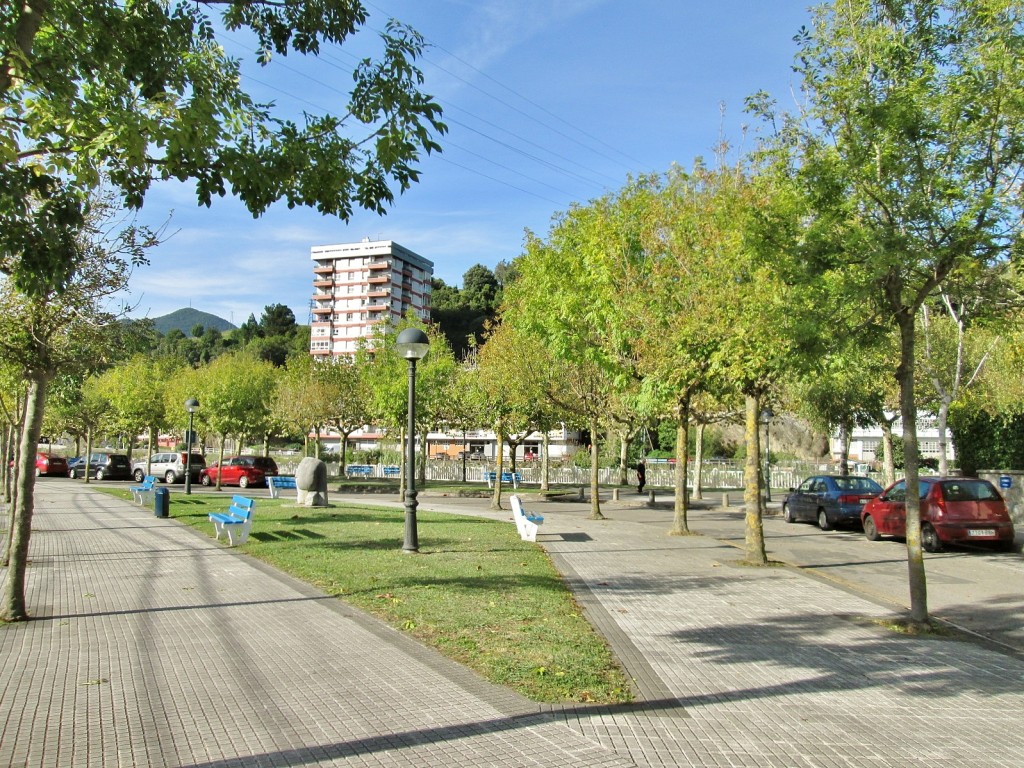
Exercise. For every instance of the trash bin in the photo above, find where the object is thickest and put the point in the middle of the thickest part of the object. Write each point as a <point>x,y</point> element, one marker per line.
<point>161,502</point>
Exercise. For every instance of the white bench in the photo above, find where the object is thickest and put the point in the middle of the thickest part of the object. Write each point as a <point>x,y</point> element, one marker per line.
<point>279,482</point>
<point>139,492</point>
<point>525,522</point>
<point>236,522</point>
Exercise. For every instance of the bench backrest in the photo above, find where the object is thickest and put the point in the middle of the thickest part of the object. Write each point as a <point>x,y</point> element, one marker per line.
<point>517,507</point>
<point>242,506</point>
<point>282,481</point>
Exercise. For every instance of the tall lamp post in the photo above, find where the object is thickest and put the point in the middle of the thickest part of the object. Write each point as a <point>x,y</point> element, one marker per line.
<point>191,405</point>
<point>766,418</point>
<point>411,344</point>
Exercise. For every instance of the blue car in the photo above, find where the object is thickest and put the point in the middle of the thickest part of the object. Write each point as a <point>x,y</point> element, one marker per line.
<point>829,500</point>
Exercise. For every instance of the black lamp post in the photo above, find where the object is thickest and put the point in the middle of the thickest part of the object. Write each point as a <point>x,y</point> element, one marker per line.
<point>191,405</point>
<point>766,418</point>
<point>411,344</point>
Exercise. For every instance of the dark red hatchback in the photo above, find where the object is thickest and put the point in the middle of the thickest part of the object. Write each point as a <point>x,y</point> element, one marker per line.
<point>954,510</point>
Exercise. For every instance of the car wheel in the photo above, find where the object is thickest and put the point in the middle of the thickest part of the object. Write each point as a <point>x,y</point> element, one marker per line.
<point>73,475</point>
<point>139,475</point>
<point>206,480</point>
<point>870,529</point>
<point>38,472</point>
<point>243,482</point>
<point>99,474</point>
<point>787,513</point>
<point>169,478</point>
<point>930,539</point>
<point>823,522</point>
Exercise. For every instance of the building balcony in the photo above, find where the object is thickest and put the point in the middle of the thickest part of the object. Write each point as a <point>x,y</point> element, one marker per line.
<point>378,294</point>
<point>380,265</point>
<point>377,306</point>
<point>379,279</point>
<point>323,283</point>
<point>322,310</point>
<point>327,270</point>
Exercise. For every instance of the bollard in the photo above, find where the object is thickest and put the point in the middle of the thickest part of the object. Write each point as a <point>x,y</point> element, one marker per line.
<point>725,501</point>
<point>650,498</point>
<point>615,494</point>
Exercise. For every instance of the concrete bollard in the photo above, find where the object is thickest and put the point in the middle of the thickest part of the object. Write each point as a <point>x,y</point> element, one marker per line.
<point>581,493</point>
<point>725,501</point>
<point>650,498</point>
<point>615,494</point>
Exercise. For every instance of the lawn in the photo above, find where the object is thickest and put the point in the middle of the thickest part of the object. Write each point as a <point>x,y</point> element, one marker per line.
<point>475,591</point>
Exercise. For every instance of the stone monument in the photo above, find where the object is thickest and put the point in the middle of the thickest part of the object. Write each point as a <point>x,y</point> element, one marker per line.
<point>311,483</point>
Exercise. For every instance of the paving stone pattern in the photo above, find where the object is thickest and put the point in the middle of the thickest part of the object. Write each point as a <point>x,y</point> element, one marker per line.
<point>155,646</point>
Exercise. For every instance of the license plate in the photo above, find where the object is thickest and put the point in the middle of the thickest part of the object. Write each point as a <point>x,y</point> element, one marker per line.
<point>980,532</point>
<point>864,501</point>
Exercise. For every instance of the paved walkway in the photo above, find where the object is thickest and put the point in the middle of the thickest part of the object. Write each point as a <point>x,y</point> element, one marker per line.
<point>154,646</point>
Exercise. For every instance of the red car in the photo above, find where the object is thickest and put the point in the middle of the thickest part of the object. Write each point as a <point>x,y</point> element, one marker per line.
<point>242,471</point>
<point>51,464</point>
<point>954,510</point>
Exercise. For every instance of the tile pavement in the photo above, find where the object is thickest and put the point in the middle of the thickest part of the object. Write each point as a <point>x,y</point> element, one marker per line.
<point>154,646</point>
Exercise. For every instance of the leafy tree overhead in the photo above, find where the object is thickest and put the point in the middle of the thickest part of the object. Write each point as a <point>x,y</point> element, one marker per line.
<point>912,149</point>
<point>160,99</point>
<point>277,320</point>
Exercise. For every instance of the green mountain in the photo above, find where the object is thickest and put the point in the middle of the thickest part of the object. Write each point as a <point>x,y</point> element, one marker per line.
<point>186,319</point>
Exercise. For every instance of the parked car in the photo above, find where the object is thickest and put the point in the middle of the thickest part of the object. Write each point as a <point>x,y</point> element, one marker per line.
<point>243,471</point>
<point>169,467</point>
<point>51,464</point>
<point>954,510</point>
<point>829,500</point>
<point>102,466</point>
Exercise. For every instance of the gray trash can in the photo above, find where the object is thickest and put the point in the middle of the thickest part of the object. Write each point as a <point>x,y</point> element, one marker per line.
<point>161,502</point>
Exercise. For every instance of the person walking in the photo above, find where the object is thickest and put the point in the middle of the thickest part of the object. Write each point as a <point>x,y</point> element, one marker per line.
<point>641,476</point>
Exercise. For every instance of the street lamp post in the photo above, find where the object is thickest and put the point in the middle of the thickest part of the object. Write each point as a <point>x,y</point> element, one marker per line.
<point>766,418</point>
<point>412,344</point>
<point>191,405</point>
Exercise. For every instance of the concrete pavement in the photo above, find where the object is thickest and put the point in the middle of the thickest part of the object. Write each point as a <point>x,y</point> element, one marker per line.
<point>154,646</point>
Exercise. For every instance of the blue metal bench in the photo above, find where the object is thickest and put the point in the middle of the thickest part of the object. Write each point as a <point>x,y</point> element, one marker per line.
<point>506,477</point>
<point>359,470</point>
<point>392,471</point>
<point>139,492</point>
<point>278,483</point>
<point>236,522</point>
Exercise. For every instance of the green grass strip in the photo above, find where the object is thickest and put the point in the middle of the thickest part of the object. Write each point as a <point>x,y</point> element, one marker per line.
<point>476,591</point>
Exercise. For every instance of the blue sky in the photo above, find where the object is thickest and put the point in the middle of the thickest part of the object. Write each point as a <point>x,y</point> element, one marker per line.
<point>548,102</point>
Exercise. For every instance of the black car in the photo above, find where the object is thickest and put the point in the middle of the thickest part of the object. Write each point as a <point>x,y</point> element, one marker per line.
<point>103,466</point>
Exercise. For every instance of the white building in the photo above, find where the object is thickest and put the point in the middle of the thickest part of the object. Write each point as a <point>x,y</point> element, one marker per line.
<point>866,442</point>
<point>358,285</point>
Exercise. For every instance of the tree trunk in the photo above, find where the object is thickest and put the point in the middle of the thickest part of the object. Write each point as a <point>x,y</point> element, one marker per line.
<point>698,463</point>
<point>545,462</point>
<point>595,474</point>
<point>679,522</point>
<point>623,457</point>
<point>499,463</point>
<point>88,452</point>
<point>424,453</point>
<point>908,412</point>
<point>754,548</point>
<point>220,459</point>
<point>941,422</point>
<point>14,608</point>
<point>888,460</point>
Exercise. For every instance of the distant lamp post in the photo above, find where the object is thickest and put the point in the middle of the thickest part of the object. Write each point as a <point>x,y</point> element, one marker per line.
<point>412,344</point>
<point>191,405</point>
<point>766,418</point>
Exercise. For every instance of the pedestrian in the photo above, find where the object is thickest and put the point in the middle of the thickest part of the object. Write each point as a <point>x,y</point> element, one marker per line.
<point>641,476</point>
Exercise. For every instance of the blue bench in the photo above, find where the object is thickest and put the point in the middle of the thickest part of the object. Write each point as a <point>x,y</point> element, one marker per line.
<point>392,471</point>
<point>359,470</point>
<point>139,492</point>
<point>278,483</point>
<point>526,523</point>
<point>236,522</point>
<point>506,477</point>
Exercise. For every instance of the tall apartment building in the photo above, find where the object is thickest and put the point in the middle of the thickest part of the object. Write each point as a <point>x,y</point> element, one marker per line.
<point>358,285</point>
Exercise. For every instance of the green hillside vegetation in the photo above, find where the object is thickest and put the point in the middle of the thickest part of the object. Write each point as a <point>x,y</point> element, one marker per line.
<point>186,319</point>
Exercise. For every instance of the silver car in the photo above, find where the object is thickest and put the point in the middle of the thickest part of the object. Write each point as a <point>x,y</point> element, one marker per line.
<point>169,467</point>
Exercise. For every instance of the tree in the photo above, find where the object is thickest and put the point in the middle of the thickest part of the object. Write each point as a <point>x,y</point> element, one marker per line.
<point>912,149</point>
<point>277,320</point>
<point>59,331</point>
<point>160,99</point>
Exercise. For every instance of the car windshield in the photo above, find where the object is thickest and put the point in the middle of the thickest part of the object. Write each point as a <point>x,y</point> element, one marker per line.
<point>969,490</point>
<point>858,485</point>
